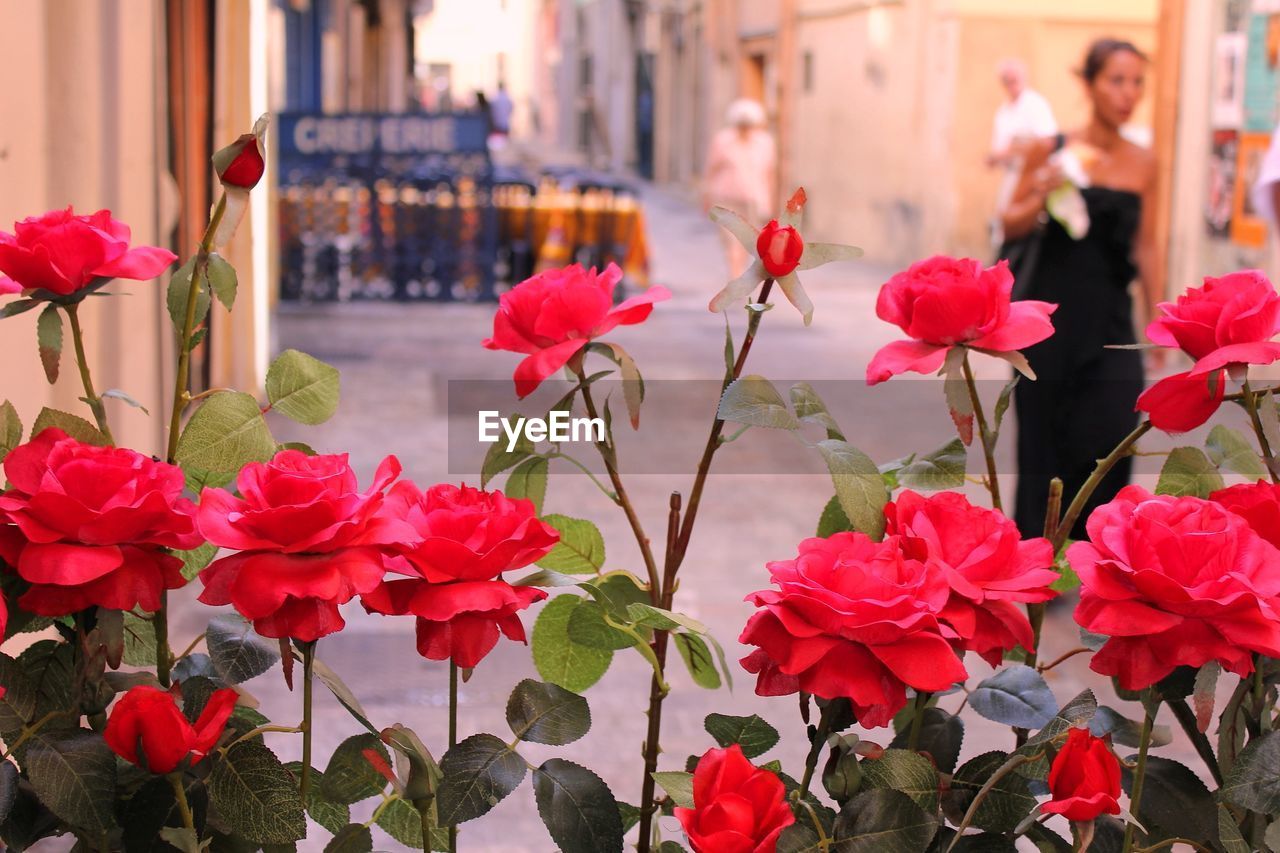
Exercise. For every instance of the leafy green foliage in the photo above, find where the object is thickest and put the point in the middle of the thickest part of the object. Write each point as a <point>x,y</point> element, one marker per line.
<point>222,280</point>
<point>577,808</point>
<point>349,777</point>
<point>1174,800</point>
<point>10,428</point>
<point>697,659</point>
<point>237,652</point>
<point>529,481</point>
<point>49,337</point>
<point>547,713</point>
<point>73,425</point>
<point>903,771</point>
<point>859,486</point>
<point>752,400</point>
<point>74,774</point>
<point>811,410</point>
<point>580,549</point>
<point>1253,782</point>
<point>478,773</point>
<point>1006,804</point>
<point>557,656</point>
<point>752,734</point>
<point>256,795</point>
<point>941,735</point>
<point>303,388</point>
<point>226,433</point>
<point>678,785</point>
<point>883,821</point>
<point>1016,696</point>
<point>179,295</point>
<point>1188,471</point>
<point>1231,451</point>
<point>833,520</point>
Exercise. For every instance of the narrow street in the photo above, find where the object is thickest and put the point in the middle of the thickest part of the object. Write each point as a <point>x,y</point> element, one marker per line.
<point>396,362</point>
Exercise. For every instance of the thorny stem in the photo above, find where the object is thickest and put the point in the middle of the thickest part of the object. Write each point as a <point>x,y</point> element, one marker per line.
<point>95,402</point>
<point>184,808</point>
<point>1002,771</point>
<point>1251,404</point>
<point>988,440</point>
<point>1149,706</point>
<point>1260,695</point>
<point>453,740</point>
<point>917,721</point>
<point>1187,719</point>
<point>164,655</point>
<point>308,665</point>
<point>1079,650</point>
<point>30,732</point>
<point>1086,491</point>
<point>815,749</point>
<point>253,733</point>
<point>824,841</point>
<point>423,805</point>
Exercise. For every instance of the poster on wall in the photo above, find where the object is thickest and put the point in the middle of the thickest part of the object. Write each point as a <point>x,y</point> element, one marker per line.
<point>1248,228</point>
<point>1220,198</point>
<point>1227,110</point>
<point>1261,77</point>
<point>1266,7</point>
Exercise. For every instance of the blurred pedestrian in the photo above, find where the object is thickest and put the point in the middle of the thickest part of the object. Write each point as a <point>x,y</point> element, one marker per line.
<point>1081,404</point>
<point>1024,117</point>
<point>740,170</point>
<point>501,109</point>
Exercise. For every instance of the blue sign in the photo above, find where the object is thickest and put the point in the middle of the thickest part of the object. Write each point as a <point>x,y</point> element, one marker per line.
<point>311,135</point>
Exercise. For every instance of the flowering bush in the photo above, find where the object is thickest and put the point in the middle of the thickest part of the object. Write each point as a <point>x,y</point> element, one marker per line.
<point>881,621</point>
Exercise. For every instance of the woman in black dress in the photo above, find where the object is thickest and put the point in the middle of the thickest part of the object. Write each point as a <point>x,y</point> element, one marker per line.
<point>1082,402</point>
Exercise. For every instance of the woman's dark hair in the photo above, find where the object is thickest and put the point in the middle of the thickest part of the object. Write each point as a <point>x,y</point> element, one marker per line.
<point>1102,50</point>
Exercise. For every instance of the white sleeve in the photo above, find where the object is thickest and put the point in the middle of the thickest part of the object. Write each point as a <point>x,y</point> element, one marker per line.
<point>1040,116</point>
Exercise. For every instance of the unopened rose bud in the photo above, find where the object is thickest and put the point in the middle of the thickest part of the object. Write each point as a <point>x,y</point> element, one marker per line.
<point>240,164</point>
<point>779,249</point>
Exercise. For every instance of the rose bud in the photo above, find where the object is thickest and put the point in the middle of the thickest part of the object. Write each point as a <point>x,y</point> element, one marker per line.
<point>736,805</point>
<point>240,164</point>
<point>1084,778</point>
<point>149,717</point>
<point>779,248</point>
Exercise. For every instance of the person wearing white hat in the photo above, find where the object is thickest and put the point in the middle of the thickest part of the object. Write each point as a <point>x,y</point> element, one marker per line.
<point>739,174</point>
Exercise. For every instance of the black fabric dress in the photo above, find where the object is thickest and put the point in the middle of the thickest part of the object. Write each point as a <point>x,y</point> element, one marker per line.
<point>1082,402</point>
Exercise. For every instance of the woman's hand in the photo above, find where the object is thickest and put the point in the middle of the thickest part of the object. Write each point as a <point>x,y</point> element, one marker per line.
<point>1046,179</point>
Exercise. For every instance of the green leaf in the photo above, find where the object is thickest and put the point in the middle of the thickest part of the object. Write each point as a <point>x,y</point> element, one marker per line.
<point>352,838</point>
<point>18,704</point>
<point>956,391</point>
<point>180,291</point>
<point>330,815</point>
<point>8,788</point>
<point>529,481</point>
<point>50,666</point>
<point>139,641</point>
<point>697,658</point>
<point>341,692</point>
<point>237,652</point>
<point>498,459</point>
<point>10,428</point>
<point>577,808</point>
<point>18,306</point>
<point>882,821</point>
<point>117,394</point>
<point>1229,833</point>
<point>587,626</point>
<point>478,773</point>
<point>1126,732</point>
<point>1015,696</point>
<point>1002,404</point>
<point>1004,806</point>
<point>222,280</point>
<point>944,468</point>
<point>402,822</point>
<point>616,591</point>
<point>833,520</point>
<point>903,771</point>
<point>859,487</point>
<point>632,381</point>
<point>302,388</point>
<point>195,560</point>
<point>547,713</point>
<point>752,400</point>
<point>811,410</point>
<point>941,736</point>
<point>1188,471</point>
<point>663,620</point>
<point>350,777</point>
<point>1173,799</point>
<point>226,433</point>
<point>74,774</point>
<point>557,657</point>
<point>580,550</point>
<point>752,734</point>
<point>256,796</point>
<point>678,785</point>
<point>1253,782</point>
<point>74,426</point>
<point>1230,450</point>
<point>153,808</point>
<point>49,337</point>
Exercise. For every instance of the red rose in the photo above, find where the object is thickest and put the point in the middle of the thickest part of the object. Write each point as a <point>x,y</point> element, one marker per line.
<point>779,248</point>
<point>1257,503</point>
<point>1229,322</point>
<point>737,807</point>
<point>1175,582</point>
<point>240,164</point>
<point>90,523</point>
<point>854,618</point>
<point>553,315</point>
<point>148,717</point>
<point>61,253</point>
<point>987,564</point>
<point>309,541</point>
<point>464,539</point>
<point>1084,778</point>
<point>944,302</point>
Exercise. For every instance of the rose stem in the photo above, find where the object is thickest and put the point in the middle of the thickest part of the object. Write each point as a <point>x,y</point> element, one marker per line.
<point>308,665</point>
<point>1251,403</point>
<point>1149,706</point>
<point>184,808</point>
<point>988,440</point>
<point>664,595</point>
<point>453,740</point>
<point>815,749</point>
<point>181,396</point>
<point>1082,497</point>
<point>91,396</point>
<point>917,721</point>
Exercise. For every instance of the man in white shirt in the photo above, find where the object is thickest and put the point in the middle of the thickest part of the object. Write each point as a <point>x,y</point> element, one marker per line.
<point>1024,115</point>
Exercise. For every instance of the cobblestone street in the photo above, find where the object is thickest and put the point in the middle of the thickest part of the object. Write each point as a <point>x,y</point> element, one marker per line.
<point>396,361</point>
